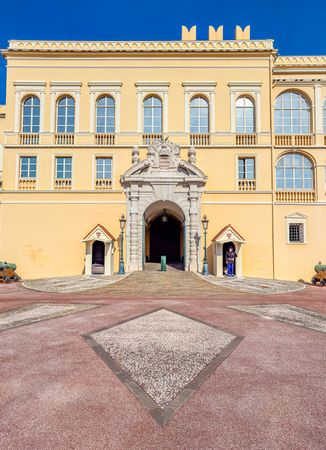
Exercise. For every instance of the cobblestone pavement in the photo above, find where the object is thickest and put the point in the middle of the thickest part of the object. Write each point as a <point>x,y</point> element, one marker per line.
<point>255,285</point>
<point>66,285</point>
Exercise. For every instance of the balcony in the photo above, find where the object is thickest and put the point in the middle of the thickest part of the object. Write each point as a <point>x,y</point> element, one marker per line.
<point>295,196</point>
<point>199,139</point>
<point>301,140</point>
<point>104,139</point>
<point>63,184</point>
<point>246,139</point>
<point>64,139</point>
<point>103,184</point>
<point>27,184</point>
<point>149,138</point>
<point>247,185</point>
<point>29,139</point>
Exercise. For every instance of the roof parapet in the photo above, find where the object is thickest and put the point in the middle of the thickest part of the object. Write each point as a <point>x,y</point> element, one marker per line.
<point>242,34</point>
<point>215,35</point>
<point>188,35</point>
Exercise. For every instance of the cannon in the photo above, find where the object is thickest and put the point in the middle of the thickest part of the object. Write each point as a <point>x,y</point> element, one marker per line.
<point>320,276</point>
<point>8,272</point>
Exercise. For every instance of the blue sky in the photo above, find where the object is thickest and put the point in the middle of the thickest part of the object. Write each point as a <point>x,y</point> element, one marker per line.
<point>298,27</point>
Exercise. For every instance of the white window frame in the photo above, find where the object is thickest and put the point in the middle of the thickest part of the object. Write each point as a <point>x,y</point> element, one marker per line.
<point>55,166</point>
<point>205,89</point>
<point>147,88</point>
<point>252,89</point>
<point>96,90</point>
<point>60,89</point>
<point>22,90</point>
<point>294,219</point>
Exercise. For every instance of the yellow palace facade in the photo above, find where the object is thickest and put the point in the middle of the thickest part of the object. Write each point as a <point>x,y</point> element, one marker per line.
<point>164,133</point>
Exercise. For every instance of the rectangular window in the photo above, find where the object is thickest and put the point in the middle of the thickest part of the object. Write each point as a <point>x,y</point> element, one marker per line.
<point>296,232</point>
<point>246,168</point>
<point>63,167</point>
<point>27,167</point>
<point>104,168</point>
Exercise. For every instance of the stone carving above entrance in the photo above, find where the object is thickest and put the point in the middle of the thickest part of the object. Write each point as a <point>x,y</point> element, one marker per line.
<point>163,155</point>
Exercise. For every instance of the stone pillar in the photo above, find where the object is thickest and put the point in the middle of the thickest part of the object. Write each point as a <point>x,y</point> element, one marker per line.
<point>134,235</point>
<point>193,229</point>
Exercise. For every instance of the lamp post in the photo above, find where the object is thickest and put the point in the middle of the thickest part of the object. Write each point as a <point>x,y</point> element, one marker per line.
<point>205,226</point>
<point>121,262</point>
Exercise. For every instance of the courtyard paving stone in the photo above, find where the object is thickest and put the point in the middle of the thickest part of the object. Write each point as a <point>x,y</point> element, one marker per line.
<point>56,393</point>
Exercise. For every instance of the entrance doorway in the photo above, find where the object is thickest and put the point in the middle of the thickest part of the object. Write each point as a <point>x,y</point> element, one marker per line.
<point>98,253</point>
<point>165,237</point>
<point>226,247</point>
<point>164,229</point>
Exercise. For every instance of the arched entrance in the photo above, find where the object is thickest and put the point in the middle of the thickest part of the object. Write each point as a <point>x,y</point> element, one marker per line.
<point>164,233</point>
<point>98,253</point>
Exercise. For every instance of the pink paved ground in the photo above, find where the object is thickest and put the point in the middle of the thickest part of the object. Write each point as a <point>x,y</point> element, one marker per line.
<point>56,393</point>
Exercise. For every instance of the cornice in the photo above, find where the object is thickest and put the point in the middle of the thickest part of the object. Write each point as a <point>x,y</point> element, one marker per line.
<point>299,81</point>
<point>138,46</point>
<point>282,61</point>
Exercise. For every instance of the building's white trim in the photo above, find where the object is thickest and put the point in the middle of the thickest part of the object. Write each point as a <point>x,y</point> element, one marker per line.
<point>23,88</point>
<point>112,88</point>
<point>160,88</point>
<point>252,88</point>
<point>58,88</point>
<point>206,88</point>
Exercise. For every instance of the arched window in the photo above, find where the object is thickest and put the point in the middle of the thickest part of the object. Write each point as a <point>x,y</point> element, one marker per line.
<point>294,171</point>
<point>31,115</point>
<point>292,114</point>
<point>66,115</point>
<point>245,115</point>
<point>199,115</point>
<point>153,115</point>
<point>105,115</point>
<point>324,116</point>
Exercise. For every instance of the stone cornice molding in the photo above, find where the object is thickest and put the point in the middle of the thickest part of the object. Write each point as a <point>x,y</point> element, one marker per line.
<point>298,81</point>
<point>30,84</point>
<point>138,46</point>
<point>282,61</point>
<point>65,84</point>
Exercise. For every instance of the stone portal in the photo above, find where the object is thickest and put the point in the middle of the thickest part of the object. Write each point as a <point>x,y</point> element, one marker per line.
<point>163,180</point>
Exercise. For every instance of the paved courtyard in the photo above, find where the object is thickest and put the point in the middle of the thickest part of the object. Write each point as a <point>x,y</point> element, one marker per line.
<point>162,361</point>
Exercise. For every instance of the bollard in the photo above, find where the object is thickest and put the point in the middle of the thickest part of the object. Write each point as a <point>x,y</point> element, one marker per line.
<point>163,263</point>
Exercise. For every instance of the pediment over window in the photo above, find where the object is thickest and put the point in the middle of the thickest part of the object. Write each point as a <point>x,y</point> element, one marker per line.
<point>227,234</point>
<point>99,233</point>
<point>296,215</point>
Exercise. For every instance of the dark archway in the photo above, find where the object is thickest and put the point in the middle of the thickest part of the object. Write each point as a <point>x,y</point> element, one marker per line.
<point>226,247</point>
<point>98,253</point>
<point>165,239</point>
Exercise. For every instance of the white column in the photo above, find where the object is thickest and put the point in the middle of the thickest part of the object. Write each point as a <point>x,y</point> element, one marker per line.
<point>165,112</point>
<point>212,112</point>
<point>318,125</point>
<point>187,119</point>
<point>52,112</point>
<point>92,112</point>
<point>42,112</point>
<point>232,111</point>
<point>258,112</point>
<point>193,199</point>
<point>139,111</point>
<point>117,112</point>
<point>17,112</point>
<point>77,118</point>
<point>133,237</point>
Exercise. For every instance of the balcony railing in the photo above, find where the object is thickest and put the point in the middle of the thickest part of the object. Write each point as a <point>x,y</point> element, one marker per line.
<point>29,139</point>
<point>295,196</point>
<point>103,184</point>
<point>247,185</point>
<point>246,139</point>
<point>149,138</point>
<point>199,139</point>
<point>294,139</point>
<point>105,139</point>
<point>63,184</point>
<point>27,184</point>
<point>64,138</point>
